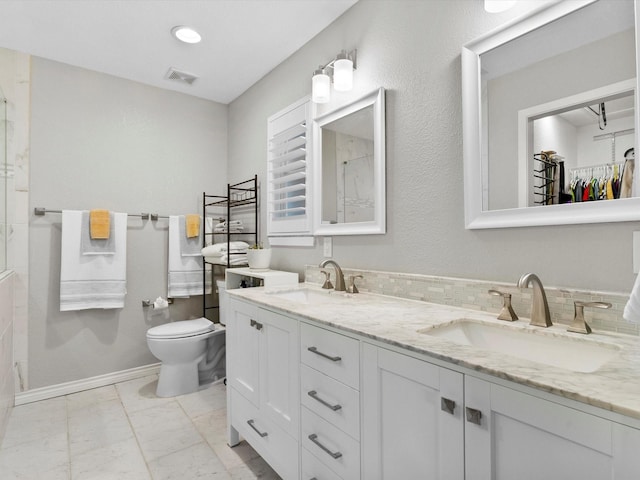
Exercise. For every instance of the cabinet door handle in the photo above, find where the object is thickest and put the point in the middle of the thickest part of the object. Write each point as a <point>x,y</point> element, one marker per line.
<point>262,434</point>
<point>255,324</point>
<point>473,415</point>
<point>447,405</point>
<point>315,350</point>
<point>313,394</point>
<point>314,438</point>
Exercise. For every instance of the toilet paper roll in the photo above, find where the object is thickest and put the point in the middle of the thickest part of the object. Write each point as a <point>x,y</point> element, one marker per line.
<point>160,304</point>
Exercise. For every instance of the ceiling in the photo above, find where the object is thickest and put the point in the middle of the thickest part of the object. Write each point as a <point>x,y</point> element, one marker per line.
<point>242,40</point>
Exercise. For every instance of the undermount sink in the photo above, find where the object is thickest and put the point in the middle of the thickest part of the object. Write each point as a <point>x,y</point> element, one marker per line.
<point>306,295</point>
<point>574,354</point>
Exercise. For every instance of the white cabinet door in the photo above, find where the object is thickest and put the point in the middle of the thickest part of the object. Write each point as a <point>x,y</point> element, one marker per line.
<point>510,434</point>
<point>279,370</point>
<point>243,350</point>
<point>412,418</point>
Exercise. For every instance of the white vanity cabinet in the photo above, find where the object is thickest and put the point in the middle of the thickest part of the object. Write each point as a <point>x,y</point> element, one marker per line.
<point>319,404</point>
<point>412,415</point>
<point>330,398</point>
<point>522,436</point>
<point>263,380</point>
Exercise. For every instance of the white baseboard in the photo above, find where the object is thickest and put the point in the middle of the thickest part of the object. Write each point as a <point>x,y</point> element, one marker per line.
<point>76,386</point>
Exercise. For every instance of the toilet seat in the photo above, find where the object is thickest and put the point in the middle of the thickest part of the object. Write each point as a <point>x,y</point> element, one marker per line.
<point>182,329</point>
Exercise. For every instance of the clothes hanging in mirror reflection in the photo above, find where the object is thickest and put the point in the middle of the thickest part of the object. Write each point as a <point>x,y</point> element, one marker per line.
<point>603,182</point>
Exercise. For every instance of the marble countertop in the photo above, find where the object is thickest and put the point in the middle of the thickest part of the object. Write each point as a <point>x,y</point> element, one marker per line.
<point>396,321</point>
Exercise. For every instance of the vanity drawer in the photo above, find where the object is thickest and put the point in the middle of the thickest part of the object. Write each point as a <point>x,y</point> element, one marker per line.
<point>270,441</point>
<point>331,353</point>
<point>330,445</point>
<point>336,402</point>
<point>312,468</point>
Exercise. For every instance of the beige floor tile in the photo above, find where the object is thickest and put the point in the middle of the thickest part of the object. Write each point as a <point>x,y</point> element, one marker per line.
<point>35,421</point>
<point>121,461</point>
<point>207,400</point>
<point>98,425</point>
<point>256,468</point>
<point>213,426</point>
<point>80,400</point>
<point>195,462</point>
<point>34,459</point>
<point>234,457</point>
<point>163,429</point>
<point>140,394</point>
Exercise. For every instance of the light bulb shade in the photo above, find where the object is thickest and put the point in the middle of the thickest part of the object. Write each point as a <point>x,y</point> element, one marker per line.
<point>320,87</point>
<point>497,6</point>
<point>343,74</point>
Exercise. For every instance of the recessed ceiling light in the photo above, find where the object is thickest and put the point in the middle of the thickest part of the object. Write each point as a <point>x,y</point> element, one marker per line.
<point>186,34</point>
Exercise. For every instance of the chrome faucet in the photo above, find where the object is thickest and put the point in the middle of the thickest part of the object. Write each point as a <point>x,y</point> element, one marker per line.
<point>540,315</point>
<point>339,275</point>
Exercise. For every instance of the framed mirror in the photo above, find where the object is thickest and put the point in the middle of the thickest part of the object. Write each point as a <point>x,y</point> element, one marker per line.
<point>550,115</point>
<point>349,168</point>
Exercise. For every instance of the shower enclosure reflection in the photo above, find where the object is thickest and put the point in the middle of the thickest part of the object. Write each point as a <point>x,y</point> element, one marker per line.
<point>4,173</point>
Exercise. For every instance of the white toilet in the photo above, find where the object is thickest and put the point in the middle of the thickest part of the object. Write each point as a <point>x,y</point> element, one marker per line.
<point>181,347</point>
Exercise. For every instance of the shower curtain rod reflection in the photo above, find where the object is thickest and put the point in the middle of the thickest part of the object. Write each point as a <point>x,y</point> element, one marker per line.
<point>144,216</point>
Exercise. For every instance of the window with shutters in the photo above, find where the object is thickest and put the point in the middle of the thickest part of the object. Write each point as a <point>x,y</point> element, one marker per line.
<point>288,175</point>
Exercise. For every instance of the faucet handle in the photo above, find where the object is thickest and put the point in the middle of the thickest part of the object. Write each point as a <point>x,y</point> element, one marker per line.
<point>352,284</point>
<point>327,279</point>
<point>579,325</point>
<point>507,313</point>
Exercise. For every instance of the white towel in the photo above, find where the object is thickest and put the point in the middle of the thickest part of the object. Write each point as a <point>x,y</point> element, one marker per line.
<point>632,308</point>
<point>185,272</point>
<point>91,281</point>
<point>218,249</point>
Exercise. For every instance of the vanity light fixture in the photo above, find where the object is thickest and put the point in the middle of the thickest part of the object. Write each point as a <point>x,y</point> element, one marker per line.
<point>497,6</point>
<point>341,69</point>
<point>186,34</point>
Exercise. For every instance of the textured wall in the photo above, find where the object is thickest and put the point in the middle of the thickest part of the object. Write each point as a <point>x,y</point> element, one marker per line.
<point>412,48</point>
<point>102,142</point>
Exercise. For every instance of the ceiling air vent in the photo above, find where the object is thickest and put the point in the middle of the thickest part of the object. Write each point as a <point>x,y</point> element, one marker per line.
<point>179,76</point>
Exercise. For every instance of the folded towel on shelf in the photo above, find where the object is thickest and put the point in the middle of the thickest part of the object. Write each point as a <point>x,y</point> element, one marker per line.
<point>218,249</point>
<point>92,281</point>
<point>189,247</point>
<point>234,260</point>
<point>99,221</point>
<point>632,308</point>
<point>234,226</point>
<point>185,271</point>
<point>90,246</point>
<point>192,221</point>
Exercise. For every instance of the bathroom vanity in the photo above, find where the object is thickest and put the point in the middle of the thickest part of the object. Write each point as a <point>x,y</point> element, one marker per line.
<point>329,385</point>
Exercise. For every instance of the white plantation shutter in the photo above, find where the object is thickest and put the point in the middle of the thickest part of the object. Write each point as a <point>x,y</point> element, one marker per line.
<point>289,170</point>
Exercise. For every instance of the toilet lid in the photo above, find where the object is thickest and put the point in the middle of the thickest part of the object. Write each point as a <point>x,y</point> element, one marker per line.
<point>184,328</point>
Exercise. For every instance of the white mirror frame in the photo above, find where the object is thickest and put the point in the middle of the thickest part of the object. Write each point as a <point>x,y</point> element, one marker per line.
<point>378,224</point>
<point>621,210</point>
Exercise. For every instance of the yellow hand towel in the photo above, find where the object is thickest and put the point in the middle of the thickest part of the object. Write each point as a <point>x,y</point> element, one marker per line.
<point>99,224</point>
<point>192,225</point>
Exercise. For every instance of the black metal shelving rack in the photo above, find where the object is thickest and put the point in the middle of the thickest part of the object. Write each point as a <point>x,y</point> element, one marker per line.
<point>242,194</point>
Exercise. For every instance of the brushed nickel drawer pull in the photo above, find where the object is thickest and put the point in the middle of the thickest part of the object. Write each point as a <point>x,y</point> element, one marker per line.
<point>474,416</point>
<point>314,438</point>
<point>447,405</point>
<point>315,350</point>
<point>255,324</point>
<point>262,434</point>
<point>313,394</point>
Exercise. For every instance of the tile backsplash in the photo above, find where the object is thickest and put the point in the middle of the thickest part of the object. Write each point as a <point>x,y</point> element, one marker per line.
<point>473,294</point>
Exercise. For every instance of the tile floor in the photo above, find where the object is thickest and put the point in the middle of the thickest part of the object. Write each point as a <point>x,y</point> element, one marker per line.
<point>124,432</point>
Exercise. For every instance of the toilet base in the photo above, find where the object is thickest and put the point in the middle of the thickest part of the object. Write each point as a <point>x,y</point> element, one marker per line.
<point>178,379</point>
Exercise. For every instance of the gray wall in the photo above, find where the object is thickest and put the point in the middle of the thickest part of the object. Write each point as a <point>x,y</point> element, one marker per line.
<point>102,142</point>
<point>412,48</point>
